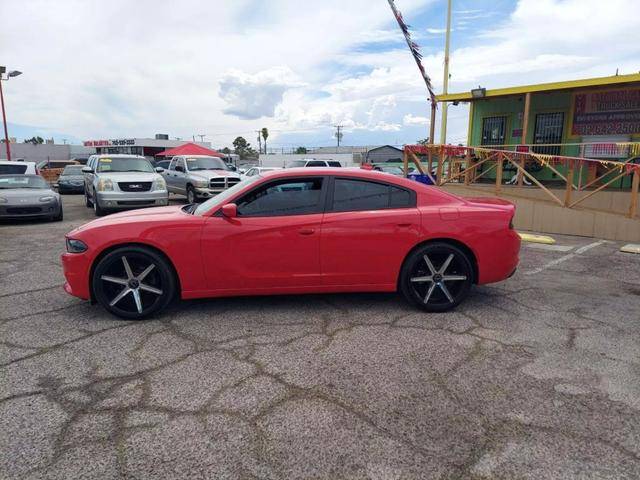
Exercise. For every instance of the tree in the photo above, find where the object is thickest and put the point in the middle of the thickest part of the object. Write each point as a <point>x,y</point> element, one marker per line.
<point>265,135</point>
<point>301,150</point>
<point>226,150</point>
<point>243,148</point>
<point>35,140</point>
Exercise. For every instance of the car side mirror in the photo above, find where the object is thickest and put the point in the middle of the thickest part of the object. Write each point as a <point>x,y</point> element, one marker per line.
<point>179,168</point>
<point>230,210</point>
<point>159,169</point>
<point>232,168</point>
<point>87,170</point>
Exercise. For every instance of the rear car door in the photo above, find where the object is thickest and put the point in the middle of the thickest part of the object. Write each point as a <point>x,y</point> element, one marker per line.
<point>367,230</point>
<point>273,243</point>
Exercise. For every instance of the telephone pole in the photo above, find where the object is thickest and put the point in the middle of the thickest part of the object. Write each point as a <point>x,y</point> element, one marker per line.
<point>201,135</point>
<point>338,135</point>
<point>445,83</point>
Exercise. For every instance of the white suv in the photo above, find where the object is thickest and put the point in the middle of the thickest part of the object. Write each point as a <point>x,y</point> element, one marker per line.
<point>312,162</point>
<point>18,168</point>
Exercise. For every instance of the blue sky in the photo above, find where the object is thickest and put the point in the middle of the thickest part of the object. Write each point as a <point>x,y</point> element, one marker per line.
<point>107,69</point>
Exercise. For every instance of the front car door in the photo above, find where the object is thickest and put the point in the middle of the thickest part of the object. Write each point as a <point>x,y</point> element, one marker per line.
<point>367,230</point>
<point>273,245</point>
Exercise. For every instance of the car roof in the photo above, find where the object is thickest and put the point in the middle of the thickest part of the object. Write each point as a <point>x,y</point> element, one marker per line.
<point>118,155</point>
<point>341,172</point>
<point>20,175</point>
<point>16,162</point>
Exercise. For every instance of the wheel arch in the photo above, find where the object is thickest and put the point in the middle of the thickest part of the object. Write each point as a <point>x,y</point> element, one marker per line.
<point>111,248</point>
<point>452,241</point>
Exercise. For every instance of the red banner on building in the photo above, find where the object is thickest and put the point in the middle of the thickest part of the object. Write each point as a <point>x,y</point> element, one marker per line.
<point>607,112</point>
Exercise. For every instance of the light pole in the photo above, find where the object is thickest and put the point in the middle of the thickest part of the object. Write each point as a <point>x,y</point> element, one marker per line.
<point>12,73</point>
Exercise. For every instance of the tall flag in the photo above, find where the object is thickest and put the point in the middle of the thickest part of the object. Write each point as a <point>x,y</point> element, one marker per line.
<point>415,49</point>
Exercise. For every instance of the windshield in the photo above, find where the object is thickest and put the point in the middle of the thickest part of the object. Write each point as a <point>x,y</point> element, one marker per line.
<point>72,170</point>
<point>296,163</point>
<point>222,198</point>
<point>124,164</point>
<point>22,181</point>
<point>205,163</point>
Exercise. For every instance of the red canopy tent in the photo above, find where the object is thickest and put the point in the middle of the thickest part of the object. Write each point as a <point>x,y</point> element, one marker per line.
<point>189,149</point>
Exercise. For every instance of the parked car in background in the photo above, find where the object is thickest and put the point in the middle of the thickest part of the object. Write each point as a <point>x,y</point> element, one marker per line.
<point>257,171</point>
<point>117,182</point>
<point>28,196</point>
<point>392,169</point>
<point>71,180</point>
<point>312,162</point>
<point>199,176</point>
<point>55,164</point>
<point>18,167</point>
<point>297,231</point>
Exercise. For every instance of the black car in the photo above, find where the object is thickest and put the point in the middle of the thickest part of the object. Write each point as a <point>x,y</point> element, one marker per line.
<point>71,180</point>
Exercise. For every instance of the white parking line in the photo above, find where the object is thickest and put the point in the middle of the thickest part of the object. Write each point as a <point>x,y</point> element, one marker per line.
<point>557,261</point>
<point>553,248</point>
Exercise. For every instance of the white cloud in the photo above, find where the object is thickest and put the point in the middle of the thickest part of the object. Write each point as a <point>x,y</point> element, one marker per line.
<point>410,119</point>
<point>251,96</point>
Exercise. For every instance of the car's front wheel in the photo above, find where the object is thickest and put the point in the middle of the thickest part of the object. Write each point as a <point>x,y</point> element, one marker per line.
<point>133,282</point>
<point>191,195</point>
<point>436,277</point>
<point>99,211</point>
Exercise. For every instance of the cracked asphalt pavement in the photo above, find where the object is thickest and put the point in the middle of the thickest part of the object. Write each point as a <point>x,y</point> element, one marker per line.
<point>537,377</point>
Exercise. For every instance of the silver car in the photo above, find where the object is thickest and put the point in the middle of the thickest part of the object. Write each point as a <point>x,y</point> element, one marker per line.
<point>118,182</point>
<point>26,196</point>
<point>199,176</point>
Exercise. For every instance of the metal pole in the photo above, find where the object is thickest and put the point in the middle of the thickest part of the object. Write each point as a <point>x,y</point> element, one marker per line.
<point>445,83</point>
<point>4,120</point>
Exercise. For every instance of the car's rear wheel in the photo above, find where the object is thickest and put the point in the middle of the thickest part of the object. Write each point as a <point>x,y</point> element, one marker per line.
<point>436,277</point>
<point>191,195</point>
<point>133,282</point>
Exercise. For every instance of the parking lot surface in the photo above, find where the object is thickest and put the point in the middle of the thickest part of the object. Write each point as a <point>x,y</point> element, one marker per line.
<point>537,377</point>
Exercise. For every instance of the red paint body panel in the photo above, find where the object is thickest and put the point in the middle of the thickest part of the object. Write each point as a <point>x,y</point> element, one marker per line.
<point>322,252</point>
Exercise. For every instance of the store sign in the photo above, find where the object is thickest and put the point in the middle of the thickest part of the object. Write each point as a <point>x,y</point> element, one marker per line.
<point>117,142</point>
<point>607,112</point>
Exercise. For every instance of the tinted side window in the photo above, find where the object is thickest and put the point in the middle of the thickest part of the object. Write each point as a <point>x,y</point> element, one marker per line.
<point>333,163</point>
<point>283,197</point>
<point>352,195</point>
<point>316,163</point>
<point>11,169</point>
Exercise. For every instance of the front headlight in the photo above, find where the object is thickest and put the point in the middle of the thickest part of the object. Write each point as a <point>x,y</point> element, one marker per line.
<point>159,184</point>
<point>105,184</point>
<point>200,183</point>
<point>47,198</point>
<point>76,246</point>
<point>3,200</point>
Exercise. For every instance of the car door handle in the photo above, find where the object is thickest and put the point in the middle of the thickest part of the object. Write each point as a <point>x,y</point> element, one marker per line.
<point>306,231</point>
<point>404,225</point>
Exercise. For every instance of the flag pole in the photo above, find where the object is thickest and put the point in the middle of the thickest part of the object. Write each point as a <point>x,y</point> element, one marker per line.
<point>445,81</point>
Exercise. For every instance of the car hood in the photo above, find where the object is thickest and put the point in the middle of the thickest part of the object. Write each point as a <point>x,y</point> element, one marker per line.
<point>73,178</point>
<point>23,195</point>
<point>129,176</point>
<point>208,174</point>
<point>159,214</point>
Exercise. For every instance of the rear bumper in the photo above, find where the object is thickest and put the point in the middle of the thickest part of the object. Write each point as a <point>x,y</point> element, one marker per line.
<point>76,267</point>
<point>501,259</point>
<point>123,200</point>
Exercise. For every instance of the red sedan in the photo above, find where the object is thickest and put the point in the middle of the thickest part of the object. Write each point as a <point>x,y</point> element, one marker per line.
<point>296,231</point>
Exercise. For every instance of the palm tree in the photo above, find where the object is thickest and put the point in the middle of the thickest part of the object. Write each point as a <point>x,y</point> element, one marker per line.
<point>265,135</point>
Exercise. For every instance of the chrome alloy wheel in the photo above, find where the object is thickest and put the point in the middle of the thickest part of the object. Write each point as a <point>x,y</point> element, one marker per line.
<point>132,285</point>
<point>133,282</point>
<point>437,278</point>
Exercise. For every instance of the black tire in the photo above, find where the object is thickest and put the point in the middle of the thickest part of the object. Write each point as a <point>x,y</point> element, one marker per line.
<point>59,217</point>
<point>191,195</point>
<point>87,202</point>
<point>160,277</point>
<point>420,282</point>
<point>99,211</point>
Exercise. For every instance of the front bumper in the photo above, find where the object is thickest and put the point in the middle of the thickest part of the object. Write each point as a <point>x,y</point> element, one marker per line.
<point>123,200</point>
<point>76,267</point>
<point>206,192</point>
<point>29,210</point>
